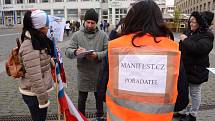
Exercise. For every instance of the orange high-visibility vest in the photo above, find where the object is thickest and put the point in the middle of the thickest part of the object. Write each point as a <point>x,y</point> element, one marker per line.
<point>130,103</point>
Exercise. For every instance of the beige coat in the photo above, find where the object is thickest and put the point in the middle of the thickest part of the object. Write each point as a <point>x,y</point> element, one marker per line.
<point>37,80</point>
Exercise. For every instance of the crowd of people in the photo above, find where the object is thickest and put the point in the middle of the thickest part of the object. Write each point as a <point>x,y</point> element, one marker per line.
<point>104,25</point>
<point>72,27</point>
<point>141,40</point>
<point>75,26</point>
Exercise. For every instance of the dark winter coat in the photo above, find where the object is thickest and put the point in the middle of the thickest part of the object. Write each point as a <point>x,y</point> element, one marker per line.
<point>103,79</point>
<point>183,90</point>
<point>195,54</point>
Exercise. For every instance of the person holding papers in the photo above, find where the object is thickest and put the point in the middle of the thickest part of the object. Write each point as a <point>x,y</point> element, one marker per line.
<point>195,45</point>
<point>89,46</point>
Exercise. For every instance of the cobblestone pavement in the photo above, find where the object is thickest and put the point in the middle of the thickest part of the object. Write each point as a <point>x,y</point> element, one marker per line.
<point>11,102</point>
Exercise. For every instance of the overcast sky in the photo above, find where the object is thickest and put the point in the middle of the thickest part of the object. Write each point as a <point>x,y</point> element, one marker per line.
<point>169,2</point>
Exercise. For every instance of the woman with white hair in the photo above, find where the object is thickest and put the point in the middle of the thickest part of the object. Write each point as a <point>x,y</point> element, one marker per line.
<point>35,56</point>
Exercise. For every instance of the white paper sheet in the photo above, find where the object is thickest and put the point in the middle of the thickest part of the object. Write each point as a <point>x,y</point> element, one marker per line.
<point>143,73</point>
<point>211,70</point>
<point>81,55</point>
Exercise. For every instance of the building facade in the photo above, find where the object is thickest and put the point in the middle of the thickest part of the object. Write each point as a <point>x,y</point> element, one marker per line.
<point>12,11</point>
<point>187,6</point>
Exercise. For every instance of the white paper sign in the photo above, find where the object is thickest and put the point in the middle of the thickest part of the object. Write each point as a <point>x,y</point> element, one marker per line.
<point>211,70</point>
<point>143,73</point>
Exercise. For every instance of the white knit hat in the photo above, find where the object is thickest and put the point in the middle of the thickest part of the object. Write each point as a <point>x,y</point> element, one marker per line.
<point>39,19</point>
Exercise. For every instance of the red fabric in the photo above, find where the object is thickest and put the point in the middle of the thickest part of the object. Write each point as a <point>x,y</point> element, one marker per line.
<point>70,117</point>
<point>63,103</point>
<point>84,118</point>
<point>53,72</point>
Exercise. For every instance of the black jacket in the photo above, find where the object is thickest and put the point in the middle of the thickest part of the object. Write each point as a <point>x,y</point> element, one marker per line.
<point>183,90</point>
<point>195,54</point>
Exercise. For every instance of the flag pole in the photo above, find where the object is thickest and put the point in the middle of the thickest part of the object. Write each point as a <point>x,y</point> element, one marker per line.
<point>64,115</point>
<point>56,80</point>
<point>57,88</point>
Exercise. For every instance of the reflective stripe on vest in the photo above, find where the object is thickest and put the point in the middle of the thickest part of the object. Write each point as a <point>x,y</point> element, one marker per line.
<point>142,107</point>
<point>113,117</point>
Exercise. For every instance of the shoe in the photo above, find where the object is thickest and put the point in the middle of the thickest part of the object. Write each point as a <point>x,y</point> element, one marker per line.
<point>100,119</point>
<point>189,118</point>
<point>179,115</point>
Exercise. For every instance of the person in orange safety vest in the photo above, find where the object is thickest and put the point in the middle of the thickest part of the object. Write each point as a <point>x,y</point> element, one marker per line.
<point>143,68</point>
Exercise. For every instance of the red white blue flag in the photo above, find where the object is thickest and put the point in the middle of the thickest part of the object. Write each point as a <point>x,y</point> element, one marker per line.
<point>66,105</point>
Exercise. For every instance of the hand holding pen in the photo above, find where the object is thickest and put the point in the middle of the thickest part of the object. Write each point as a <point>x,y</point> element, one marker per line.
<point>80,50</point>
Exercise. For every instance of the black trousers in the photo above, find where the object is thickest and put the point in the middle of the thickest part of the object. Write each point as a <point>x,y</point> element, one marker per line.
<point>82,97</point>
<point>37,114</point>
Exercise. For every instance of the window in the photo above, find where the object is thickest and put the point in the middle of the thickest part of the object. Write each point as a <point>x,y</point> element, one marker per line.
<point>83,11</point>
<point>7,1</point>
<point>123,11</point>
<point>19,1</point>
<point>59,13</point>
<point>18,13</point>
<point>209,5</point>
<point>45,1</point>
<point>110,10</point>
<point>105,12</point>
<point>200,8</point>
<point>117,11</point>
<point>32,1</point>
<point>58,0</point>
<point>204,6</point>
<point>119,14</point>
<point>48,12</point>
<point>72,14</point>
<point>18,17</point>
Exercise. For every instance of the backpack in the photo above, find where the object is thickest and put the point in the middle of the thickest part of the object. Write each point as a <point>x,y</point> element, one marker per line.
<point>13,65</point>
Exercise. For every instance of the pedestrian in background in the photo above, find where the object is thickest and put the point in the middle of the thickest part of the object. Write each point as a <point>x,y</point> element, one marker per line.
<point>143,28</point>
<point>104,25</point>
<point>116,32</point>
<point>195,45</point>
<point>89,37</point>
<point>35,56</point>
<point>67,27</point>
<point>101,25</point>
<point>108,25</point>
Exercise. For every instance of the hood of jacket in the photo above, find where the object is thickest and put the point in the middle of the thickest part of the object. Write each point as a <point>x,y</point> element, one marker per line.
<point>89,34</point>
<point>203,25</point>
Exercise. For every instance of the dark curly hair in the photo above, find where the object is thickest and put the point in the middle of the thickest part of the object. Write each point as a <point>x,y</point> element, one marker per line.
<point>145,17</point>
